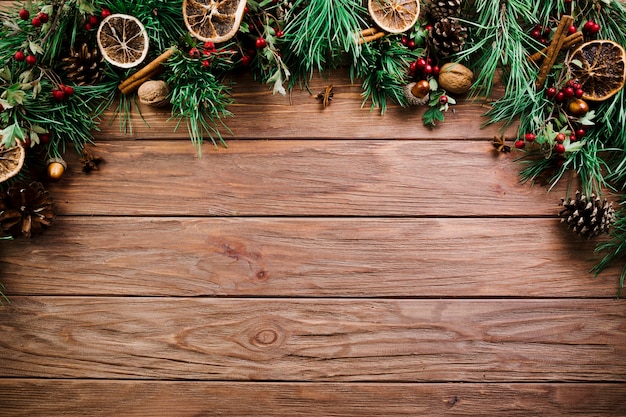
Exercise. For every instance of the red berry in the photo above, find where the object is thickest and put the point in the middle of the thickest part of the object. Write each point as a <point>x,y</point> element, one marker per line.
<point>595,28</point>
<point>570,83</point>
<point>19,56</point>
<point>44,138</point>
<point>260,43</point>
<point>428,28</point>
<point>246,60</point>
<point>68,90</point>
<point>24,14</point>
<point>88,26</point>
<point>43,17</point>
<point>194,53</point>
<point>93,20</point>
<point>568,92</point>
<point>404,41</point>
<point>588,26</point>
<point>280,34</point>
<point>572,29</point>
<point>520,144</point>
<point>36,22</point>
<point>559,97</point>
<point>560,137</point>
<point>443,100</point>
<point>411,44</point>
<point>31,60</point>
<point>530,137</point>
<point>559,148</point>
<point>105,13</point>
<point>58,95</point>
<point>535,34</point>
<point>420,63</point>
<point>209,46</point>
<point>436,70</point>
<point>580,133</point>
<point>26,142</point>
<point>413,67</point>
<point>206,63</point>
<point>579,93</point>
<point>551,92</point>
<point>1,108</point>
<point>572,137</point>
<point>428,69</point>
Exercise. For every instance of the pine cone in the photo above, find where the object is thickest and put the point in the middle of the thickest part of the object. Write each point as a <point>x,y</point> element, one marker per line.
<point>588,217</point>
<point>26,209</point>
<point>439,9</point>
<point>83,66</point>
<point>448,37</point>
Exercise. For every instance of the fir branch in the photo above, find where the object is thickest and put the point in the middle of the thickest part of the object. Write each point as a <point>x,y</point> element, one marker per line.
<point>199,98</point>
<point>321,32</point>
<point>614,249</point>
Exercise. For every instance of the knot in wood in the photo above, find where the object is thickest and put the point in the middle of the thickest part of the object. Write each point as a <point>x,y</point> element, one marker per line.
<point>265,337</point>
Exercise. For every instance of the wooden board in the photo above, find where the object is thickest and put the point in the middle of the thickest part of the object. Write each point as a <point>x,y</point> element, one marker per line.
<point>88,398</point>
<point>305,257</point>
<point>507,340</point>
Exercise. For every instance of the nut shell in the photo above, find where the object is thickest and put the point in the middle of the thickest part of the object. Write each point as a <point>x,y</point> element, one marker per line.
<point>154,93</point>
<point>455,78</point>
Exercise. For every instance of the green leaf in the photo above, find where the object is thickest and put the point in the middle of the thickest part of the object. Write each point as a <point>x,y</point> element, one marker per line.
<point>432,116</point>
<point>35,48</point>
<point>14,95</point>
<point>587,119</point>
<point>10,133</point>
<point>5,74</point>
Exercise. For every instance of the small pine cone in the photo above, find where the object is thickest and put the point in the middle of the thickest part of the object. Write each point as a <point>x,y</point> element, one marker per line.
<point>448,37</point>
<point>83,65</point>
<point>588,217</point>
<point>440,9</point>
<point>26,209</point>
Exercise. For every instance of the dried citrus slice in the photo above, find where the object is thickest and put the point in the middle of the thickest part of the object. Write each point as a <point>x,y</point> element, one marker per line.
<point>213,20</point>
<point>11,160</point>
<point>600,68</point>
<point>394,16</point>
<point>122,40</point>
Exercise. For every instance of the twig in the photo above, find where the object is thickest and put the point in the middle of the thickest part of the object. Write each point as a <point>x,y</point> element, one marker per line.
<point>54,24</point>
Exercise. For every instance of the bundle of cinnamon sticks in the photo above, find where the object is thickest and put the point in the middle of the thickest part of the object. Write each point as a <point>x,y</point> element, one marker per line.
<point>560,41</point>
<point>133,82</point>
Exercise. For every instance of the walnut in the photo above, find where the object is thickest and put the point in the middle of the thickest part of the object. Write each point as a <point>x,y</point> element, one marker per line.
<point>455,78</point>
<point>154,93</point>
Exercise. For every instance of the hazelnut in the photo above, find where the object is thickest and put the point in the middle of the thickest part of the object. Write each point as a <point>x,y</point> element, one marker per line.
<point>154,93</point>
<point>455,78</point>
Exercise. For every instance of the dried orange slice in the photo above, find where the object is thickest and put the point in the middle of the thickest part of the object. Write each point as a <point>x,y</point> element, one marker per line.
<point>394,16</point>
<point>600,68</point>
<point>122,40</point>
<point>11,160</point>
<point>213,20</point>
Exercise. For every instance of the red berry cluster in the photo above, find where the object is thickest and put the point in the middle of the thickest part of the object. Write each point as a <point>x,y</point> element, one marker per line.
<point>571,89</point>
<point>591,28</point>
<point>423,68</point>
<point>205,53</point>
<point>62,93</point>
<point>20,56</point>
<point>39,19</point>
<point>541,34</point>
<point>409,43</point>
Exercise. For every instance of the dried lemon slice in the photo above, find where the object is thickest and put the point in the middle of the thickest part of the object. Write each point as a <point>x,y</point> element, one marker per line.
<point>213,20</point>
<point>394,16</point>
<point>11,160</point>
<point>600,68</point>
<point>122,40</point>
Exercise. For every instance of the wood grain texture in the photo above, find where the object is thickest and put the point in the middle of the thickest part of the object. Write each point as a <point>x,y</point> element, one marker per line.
<point>507,340</point>
<point>257,114</point>
<point>303,178</point>
<point>304,257</point>
<point>85,398</point>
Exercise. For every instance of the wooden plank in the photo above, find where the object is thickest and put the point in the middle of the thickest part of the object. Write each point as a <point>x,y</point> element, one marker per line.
<point>85,398</point>
<point>257,114</point>
<point>506,340</point>
<point>380,257</point>
<point>303,178</point>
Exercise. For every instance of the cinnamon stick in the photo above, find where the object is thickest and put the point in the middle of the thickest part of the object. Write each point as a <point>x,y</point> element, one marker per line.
<point>371,38</point>
<point>553,49</point>
<point>368,31</point>
<point>147,71</point>
<point>568,42</point>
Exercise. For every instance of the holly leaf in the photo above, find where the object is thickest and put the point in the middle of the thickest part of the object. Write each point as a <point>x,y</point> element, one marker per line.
<point>432,116</point>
